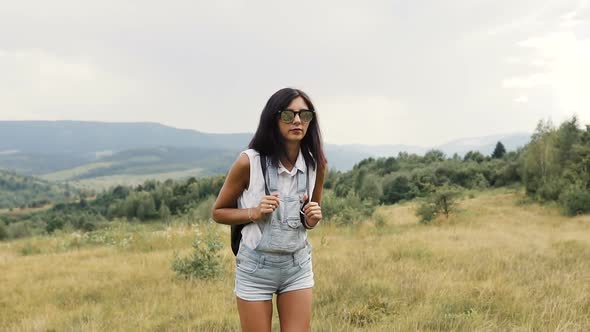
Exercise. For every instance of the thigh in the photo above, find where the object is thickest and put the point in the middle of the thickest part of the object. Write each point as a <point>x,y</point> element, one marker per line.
<point>295,310</point>
<point>255,315</point>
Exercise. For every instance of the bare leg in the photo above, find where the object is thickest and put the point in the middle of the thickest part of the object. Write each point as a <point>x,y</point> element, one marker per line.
<point>295,310</point>
<point>255,315</point>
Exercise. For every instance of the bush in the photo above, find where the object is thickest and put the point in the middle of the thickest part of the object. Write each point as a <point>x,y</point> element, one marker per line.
<point>204,263</point>
<point>202,210</point>
<point>3,231</point>
<point>551,189</point>
<point>445,199</point>
<point>18,229</point>
<point>442,201</point>
<point>426,211</point>
<point>575,201</point>
<point>54,223</point>
<point>345,210</point>
<point>379,219</point>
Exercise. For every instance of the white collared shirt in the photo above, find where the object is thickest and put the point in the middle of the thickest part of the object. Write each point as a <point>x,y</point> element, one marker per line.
<point>287,185</point>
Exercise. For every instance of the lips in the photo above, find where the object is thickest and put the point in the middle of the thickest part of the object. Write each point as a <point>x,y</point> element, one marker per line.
<point>297,130</point>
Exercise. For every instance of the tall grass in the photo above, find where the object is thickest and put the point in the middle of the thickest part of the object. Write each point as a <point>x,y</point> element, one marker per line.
<point>494,266</point>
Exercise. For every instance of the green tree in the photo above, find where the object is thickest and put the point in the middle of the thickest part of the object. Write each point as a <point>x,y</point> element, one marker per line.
<point>370,189</point>
<point>442,201</point>
<point>434,156</point>
<point>396,189</point>
<point>474,156</point>
<point>499,151</point>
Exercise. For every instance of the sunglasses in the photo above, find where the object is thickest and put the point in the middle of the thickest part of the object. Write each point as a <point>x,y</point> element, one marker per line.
<point>288,115</point>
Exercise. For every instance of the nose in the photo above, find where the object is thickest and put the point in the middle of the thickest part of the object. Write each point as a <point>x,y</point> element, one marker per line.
<point>297,119</point>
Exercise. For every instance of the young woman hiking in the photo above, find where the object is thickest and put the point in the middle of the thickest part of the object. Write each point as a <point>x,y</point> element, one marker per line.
<point>274,188</point>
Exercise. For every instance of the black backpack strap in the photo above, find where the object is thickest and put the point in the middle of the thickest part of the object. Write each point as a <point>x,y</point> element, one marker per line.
<point>264,165</point>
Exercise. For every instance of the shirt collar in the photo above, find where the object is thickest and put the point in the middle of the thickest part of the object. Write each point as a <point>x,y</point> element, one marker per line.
<point>299,165</point>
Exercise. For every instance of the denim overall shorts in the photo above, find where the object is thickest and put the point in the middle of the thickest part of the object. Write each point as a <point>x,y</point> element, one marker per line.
<point>282,260</point>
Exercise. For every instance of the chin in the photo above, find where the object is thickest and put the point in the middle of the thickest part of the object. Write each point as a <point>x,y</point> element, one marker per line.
<point>295,138</point>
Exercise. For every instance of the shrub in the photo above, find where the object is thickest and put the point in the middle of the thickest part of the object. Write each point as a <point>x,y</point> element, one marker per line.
<point>18,229</point>
<point>202,210</point>
<point>575,201</point>
<point>54,223</point>
<point>3,231</point>
<point>379,219</point>
<point>442,201</point>
<point>426,211</point>
<point>345,210</point>
<point>204,263</point>
<point>551,189</point>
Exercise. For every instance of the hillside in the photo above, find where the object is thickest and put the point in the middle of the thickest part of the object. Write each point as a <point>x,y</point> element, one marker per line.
<point>26,191</point>
<point>135,166</point>
<point>496,266</point>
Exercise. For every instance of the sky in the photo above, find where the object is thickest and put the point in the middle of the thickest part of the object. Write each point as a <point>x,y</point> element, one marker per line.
<point>419,72</point>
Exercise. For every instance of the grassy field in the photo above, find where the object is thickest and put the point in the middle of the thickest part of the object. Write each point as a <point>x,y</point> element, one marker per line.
<point>497,265</point>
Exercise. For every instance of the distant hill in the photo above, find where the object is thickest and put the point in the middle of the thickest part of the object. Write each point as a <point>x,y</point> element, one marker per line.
<point>42,147</point>
<point>93,139</point>
<point>83,151</point>
<point>132,167</point>
<point>26,191</point>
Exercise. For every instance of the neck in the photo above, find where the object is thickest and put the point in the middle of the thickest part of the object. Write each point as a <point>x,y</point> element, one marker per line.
<point>292,152</point>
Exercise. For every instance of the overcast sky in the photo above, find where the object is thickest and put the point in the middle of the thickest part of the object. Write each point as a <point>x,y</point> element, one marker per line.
<point>379,72</point>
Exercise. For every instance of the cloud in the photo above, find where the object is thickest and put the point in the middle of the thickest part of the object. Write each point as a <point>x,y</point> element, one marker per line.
<point>562,67</point>
<point>418,72</point>
<point>372,119</point>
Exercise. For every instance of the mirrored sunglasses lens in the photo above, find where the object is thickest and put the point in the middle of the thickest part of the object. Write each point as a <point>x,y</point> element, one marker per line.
<point>306,116</point>
<point>287,116</point>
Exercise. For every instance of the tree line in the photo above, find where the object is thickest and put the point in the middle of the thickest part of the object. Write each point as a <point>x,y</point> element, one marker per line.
<point>553,167</point>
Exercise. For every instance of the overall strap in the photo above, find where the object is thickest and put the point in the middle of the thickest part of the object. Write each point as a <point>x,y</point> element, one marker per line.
<point>264,166</point>
<point>273,177</point>
<point>302,182</point>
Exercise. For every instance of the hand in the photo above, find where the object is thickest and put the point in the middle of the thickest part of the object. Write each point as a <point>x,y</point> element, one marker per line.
<point>267,206</point>
<point>313,212</point>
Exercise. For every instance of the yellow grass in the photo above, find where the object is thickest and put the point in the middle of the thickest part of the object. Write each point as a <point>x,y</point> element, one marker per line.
<point>494,266</point>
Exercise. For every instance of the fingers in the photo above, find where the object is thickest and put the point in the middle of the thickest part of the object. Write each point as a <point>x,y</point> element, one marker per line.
<point>313,211</point>
<point>269,203</point>
<point>310,205</point>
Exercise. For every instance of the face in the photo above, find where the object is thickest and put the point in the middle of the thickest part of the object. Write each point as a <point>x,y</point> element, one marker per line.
<point>294,131</point>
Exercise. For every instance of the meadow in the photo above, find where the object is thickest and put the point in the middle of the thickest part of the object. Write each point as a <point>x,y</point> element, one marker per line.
<point>499,264</point>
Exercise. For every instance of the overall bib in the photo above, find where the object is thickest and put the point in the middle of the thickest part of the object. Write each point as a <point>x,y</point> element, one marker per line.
<point>282,231</point>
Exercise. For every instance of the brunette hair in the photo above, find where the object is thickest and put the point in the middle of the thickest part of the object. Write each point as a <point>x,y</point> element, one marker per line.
<point>268,139</point>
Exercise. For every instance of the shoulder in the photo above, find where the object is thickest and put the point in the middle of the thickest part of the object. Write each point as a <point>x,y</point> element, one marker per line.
<point>243,162</point>
<point>248,158</point>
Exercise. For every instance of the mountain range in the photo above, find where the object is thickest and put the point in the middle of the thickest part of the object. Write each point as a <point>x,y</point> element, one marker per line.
<point>79,150</point>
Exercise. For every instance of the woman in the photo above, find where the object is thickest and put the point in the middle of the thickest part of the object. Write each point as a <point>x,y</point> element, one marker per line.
<point>274,255</point>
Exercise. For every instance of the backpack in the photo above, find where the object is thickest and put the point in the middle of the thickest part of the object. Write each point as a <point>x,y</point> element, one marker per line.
<point>236,230</point>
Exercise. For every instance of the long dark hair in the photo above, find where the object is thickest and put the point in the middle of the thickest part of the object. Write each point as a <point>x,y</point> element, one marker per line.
<point>268,139</point>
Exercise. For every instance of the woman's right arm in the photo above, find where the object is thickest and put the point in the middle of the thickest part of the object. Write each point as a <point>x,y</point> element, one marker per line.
<point>225,209</point>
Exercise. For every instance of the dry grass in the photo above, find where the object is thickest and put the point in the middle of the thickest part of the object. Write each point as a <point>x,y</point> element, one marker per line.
<point>495,266</point>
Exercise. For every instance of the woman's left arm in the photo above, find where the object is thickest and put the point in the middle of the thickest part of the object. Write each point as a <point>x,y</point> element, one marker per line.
<point>313,210</point>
